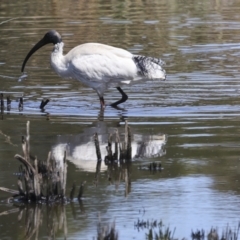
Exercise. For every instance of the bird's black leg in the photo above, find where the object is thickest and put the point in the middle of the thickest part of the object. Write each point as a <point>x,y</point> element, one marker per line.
<point>123,99</point>
<point>102,102</point>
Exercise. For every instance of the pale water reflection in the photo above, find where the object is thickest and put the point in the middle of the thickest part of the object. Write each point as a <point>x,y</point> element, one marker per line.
<point>81,150</point>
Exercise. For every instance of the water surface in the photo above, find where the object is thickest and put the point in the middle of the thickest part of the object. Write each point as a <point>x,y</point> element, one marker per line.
<point>196,110</point>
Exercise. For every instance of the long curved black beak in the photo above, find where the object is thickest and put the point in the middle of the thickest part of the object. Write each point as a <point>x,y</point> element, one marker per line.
<point>50,37</point>
<point>40,44</point>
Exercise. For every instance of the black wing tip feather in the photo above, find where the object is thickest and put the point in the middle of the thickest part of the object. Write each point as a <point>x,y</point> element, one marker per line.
<point>144,62</point>
<point>140,58</point>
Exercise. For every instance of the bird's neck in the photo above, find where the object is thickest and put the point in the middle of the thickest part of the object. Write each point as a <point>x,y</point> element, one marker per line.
<point>58,62</point>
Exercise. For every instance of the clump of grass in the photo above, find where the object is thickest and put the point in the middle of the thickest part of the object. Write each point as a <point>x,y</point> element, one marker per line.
<point>162,234</point>
<point>106,231</point>
<point>227,234</point>
<point>157,231</point>
<point>198,235</point>
<point>40,181</point>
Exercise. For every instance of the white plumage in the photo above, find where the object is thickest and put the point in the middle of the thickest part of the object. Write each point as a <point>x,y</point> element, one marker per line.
<point>100,66</point>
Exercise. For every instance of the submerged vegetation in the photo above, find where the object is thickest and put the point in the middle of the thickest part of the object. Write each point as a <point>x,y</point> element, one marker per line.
<point>106,231</point>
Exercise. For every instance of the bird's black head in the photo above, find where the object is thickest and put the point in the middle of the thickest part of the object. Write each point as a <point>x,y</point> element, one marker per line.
<point>50,37</point>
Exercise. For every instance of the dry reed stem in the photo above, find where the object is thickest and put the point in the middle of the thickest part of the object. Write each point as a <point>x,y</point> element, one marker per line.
<point>98,152</point>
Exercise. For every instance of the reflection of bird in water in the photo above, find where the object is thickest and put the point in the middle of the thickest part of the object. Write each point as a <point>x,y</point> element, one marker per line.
<point>81,148</point>
<point>99,66</point>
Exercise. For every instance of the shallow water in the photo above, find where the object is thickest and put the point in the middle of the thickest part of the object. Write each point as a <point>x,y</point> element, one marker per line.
<point>196,110</point>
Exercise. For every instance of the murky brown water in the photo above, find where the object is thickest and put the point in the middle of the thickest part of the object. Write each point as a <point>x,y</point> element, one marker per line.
<point>196,110</point>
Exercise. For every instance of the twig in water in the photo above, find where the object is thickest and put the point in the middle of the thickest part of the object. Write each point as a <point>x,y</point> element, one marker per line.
<point>129,147</point>
<point>117,141</point>
<point>20,105</point>
<point>8,190</point>
<point>8,139</point>
<point>43,103</point>
<point>7,20</point>
<point>81,190</point>
<point>8,103</point>
<point>98,152</point>
<point>14,210</point>
<point>109,149</point>
<point>2,102</point>
<point>72,191</point>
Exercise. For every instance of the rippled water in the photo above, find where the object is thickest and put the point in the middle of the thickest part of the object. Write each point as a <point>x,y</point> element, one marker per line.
<point>190,122</point>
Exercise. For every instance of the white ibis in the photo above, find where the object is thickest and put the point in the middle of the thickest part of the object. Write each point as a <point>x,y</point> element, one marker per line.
<point>99,66</point>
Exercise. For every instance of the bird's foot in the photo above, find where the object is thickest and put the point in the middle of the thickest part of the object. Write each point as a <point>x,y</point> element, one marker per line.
<point>116,107</point>
<point>102,103</point>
